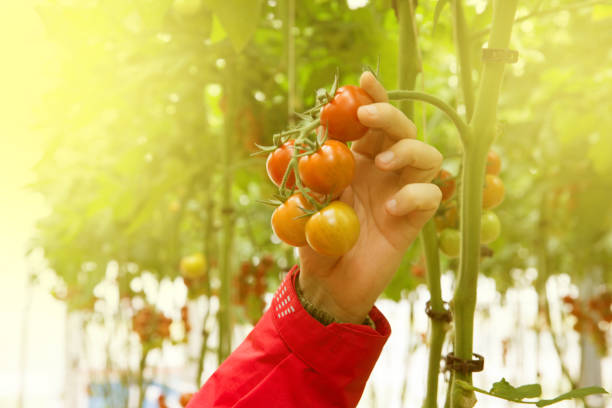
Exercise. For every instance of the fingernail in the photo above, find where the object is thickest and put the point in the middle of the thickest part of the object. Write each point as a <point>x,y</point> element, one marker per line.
<point>369,109</point>
<point>392,205</point>
<point>386,157</point>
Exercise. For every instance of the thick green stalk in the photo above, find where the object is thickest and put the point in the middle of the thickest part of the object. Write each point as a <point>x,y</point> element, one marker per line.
<point>408,54</point>
<point>463,47</point>
<point>483,127</point>
<point>225,269</point>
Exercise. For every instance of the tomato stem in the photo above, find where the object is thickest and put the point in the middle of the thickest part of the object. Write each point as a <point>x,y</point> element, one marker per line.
<point>462,127</point>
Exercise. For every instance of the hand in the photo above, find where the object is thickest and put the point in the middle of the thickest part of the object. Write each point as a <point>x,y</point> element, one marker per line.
<point>393,198</point>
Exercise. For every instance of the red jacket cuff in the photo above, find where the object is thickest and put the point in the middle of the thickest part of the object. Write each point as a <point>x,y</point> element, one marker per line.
<point>341,350</point>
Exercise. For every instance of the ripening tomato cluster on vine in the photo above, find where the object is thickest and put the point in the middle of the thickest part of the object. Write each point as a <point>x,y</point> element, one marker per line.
<point>447,218</point>
<point>311,165</point>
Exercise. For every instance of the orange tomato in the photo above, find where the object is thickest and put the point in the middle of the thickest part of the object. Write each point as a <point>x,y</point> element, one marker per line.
<point>493,163</point>
<point>288,221</point>
<point>493,193</point>
<point>447,184</point>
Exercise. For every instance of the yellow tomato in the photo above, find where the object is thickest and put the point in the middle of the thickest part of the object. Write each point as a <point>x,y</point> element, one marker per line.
<point>193,266</point>
<point>493,193</point>
<point>334,230</point>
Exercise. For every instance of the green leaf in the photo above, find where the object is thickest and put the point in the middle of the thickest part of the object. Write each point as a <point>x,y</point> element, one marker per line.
<point>577,393</point>
<point>239,19</point>
<point>503,389</point>
<point>438,10</point>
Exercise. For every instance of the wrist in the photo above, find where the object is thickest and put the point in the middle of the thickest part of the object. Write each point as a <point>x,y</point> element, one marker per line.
<point>316,297</point>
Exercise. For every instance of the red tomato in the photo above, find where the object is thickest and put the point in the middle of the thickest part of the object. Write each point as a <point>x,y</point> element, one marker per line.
<point>447,184</point>
<point>287,222</point>
<point>334,230</point>
<point>493,163</point>
<point>493,193</point>
<point>418,271</point>
<point>329,170</point>
<point>277,163</point>
<point>340,114</point>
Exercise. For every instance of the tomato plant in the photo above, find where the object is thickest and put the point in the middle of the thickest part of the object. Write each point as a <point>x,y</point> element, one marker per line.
<point>340,114</point>
<point>289,220</point>
<point>277,163</point>
<point>329,170</point>
<point>493,193</point>
<point>334,230</point>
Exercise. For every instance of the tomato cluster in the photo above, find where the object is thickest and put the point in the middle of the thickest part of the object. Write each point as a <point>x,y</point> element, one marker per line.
<point>447,218</point>
<point>312,170</point>
<point>592,317</point>
<point>151,325</point>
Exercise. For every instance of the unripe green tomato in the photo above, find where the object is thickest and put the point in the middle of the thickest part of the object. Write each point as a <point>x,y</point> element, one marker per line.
<point>187,7</point>
<point>193,266</point>
<point>490,227</point>
<point>450,242</point>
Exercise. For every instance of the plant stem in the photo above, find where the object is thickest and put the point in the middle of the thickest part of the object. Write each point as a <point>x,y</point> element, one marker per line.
<point>409,67</point>
<point>463,47</point>
<point>483,127</point>
<point>141,367</point>
<point>438,328</point>
<point>207,238</point>
<point>462,127</point>
<point>225,270</point>
<point>408,52</point>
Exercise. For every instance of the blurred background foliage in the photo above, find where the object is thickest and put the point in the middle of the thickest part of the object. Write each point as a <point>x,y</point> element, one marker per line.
<point>151,94</point>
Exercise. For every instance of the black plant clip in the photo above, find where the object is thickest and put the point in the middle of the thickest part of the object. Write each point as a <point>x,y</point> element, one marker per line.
<point>457,364</point>
<point>445,316</point>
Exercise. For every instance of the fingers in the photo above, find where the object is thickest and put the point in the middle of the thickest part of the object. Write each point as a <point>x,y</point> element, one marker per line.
<point>422,197</point>
<point>388,118</point>
<point>417,160</point>
<point>370,84</point>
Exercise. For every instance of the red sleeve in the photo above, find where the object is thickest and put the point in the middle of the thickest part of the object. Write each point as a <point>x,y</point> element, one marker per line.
<point>291,360</point>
